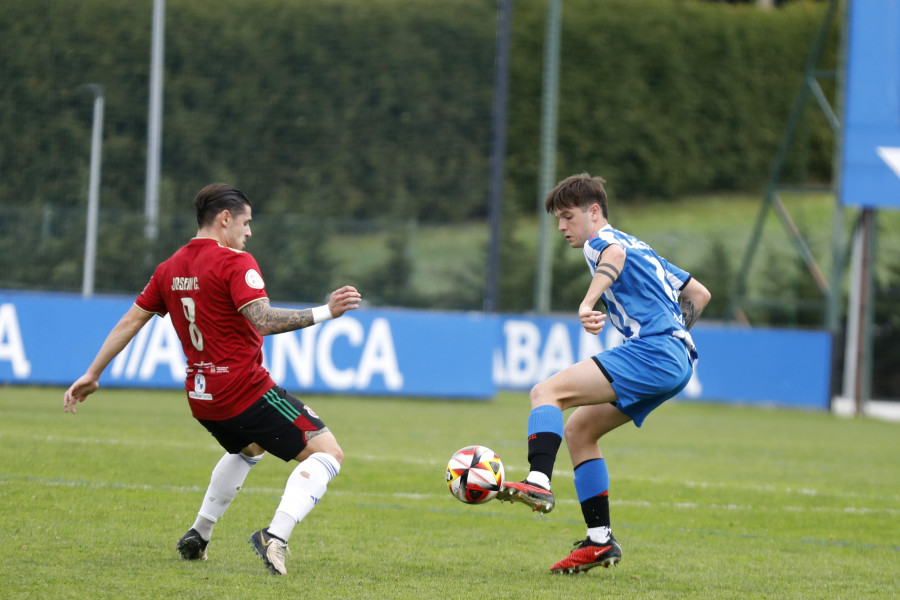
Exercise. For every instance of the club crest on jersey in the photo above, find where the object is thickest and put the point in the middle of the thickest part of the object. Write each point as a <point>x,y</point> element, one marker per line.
<point>199,391</point>
<point>254,279</point>
<point>311,412</point>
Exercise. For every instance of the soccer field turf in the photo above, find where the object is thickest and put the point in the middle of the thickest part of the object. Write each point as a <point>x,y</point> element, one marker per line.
<point>708,501</point>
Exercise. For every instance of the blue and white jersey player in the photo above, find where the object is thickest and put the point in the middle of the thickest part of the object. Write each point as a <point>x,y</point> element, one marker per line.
<point>653,303</point>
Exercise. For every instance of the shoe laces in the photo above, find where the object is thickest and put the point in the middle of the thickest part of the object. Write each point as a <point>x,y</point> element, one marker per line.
<point>584,543</point>
<point>281,548</point>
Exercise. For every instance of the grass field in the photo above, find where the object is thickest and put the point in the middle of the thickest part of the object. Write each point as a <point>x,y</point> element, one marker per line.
<point>708,501</point>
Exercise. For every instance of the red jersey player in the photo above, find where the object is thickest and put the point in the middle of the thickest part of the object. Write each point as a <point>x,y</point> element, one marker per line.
<point>218,305</point>
<point>204,285</point>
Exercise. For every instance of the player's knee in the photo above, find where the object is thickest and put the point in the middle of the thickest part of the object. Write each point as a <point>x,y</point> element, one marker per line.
<point>253,453</point>
<point>540,395</point>
<point>578,432</point>
<point>573,432</point>
<point>327,443</point>
<point>338,454</point>
<point>251,460</point>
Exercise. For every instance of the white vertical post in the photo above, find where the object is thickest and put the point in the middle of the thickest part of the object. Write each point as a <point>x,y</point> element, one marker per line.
<point>854,322</point>
<point>154,121</point>
<point>93,208</point>
<point>858,345</point>
<point>549,118</point>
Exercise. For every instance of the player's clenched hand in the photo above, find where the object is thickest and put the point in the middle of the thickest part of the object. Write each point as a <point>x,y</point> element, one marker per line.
<point>592,320</point>
<point>78,391</point>
<point>344,299</point>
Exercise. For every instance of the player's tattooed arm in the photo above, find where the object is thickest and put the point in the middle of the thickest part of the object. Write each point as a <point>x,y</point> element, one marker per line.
<point>269,320</point>
<point>610,264</point>
<point>694,298</point>
<point>689,313</point>
<point>607,269</point>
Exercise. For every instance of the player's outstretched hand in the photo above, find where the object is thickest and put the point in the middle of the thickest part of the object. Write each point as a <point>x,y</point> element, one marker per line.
<point>343,299</point>
<point>592,320</point>
<point>78,391</point>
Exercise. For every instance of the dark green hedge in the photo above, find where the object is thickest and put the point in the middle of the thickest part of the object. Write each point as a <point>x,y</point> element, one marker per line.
<point>345,105</point>
<point>668,97</point>
<point>373,111</point>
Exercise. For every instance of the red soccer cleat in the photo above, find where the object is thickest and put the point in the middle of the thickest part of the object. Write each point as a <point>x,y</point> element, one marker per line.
<point>589,554</point>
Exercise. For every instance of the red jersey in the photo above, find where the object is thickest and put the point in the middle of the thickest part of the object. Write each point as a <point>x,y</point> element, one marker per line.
<point>203,286</point>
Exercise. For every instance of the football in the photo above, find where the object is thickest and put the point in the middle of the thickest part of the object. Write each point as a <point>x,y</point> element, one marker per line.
<point>474,474</point>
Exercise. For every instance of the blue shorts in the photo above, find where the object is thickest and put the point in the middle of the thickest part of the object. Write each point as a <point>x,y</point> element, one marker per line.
<point>645,372</point>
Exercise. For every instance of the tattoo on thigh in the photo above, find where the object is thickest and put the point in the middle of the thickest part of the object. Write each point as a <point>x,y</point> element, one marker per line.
<point>311,434</point>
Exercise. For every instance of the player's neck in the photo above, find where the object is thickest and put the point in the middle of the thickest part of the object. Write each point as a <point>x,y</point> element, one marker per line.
<point>205,234</point>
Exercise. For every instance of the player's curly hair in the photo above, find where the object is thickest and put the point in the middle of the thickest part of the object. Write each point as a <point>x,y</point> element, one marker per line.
<point>580,191</point>
<point>215,198</point>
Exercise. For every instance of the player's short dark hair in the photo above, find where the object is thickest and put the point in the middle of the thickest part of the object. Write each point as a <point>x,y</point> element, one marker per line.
<point>580,191</point>
<point>215,198</point>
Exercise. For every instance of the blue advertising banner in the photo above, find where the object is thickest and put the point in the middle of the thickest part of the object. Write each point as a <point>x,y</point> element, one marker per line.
<point>49,339</point>
<point>737,365</point>
<point>870,174</point>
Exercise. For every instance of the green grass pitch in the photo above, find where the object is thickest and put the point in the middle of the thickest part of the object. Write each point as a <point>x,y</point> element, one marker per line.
<point>708,501</point>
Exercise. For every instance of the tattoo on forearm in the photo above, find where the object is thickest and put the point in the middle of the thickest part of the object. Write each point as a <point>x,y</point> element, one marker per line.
<point>269,320</point>
<point>690,313</point>
<point>607,269</point>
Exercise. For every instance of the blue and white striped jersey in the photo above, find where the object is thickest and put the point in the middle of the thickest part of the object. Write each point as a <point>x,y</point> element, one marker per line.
<point>643,300</point>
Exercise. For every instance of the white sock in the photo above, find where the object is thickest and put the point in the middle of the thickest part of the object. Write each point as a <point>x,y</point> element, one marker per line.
<point>224,483</point>
<point>538,478</point>
<point>599,534</point>
<point>305,487</point>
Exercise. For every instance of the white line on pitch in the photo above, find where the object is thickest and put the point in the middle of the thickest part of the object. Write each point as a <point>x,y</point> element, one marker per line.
<point>250,489</point>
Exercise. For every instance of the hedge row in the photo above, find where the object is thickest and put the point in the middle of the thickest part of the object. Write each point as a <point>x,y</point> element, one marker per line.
<point>377,110</point>
<point>670,97</point>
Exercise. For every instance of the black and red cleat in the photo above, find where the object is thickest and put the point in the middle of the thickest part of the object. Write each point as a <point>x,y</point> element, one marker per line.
<point>538,498</point>
<point>588,554</point>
